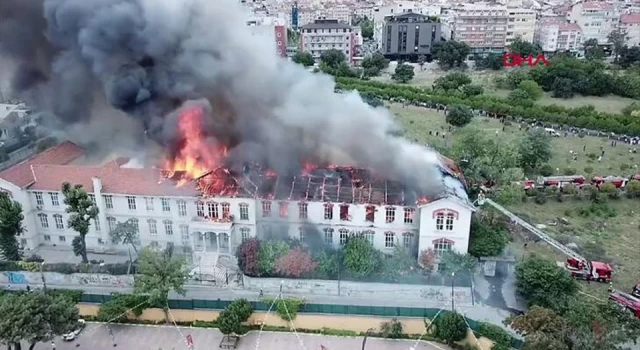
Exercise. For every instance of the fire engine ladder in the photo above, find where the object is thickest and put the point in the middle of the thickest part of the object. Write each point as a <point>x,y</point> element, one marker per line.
<point>543,236</point>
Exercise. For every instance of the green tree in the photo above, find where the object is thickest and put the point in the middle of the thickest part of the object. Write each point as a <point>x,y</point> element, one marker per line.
<point>10,227</point>
<point>270,252</point>
<point>532,88</point>
<point>450,327</point>
<point>510,194</point>
<point>520,97</point>
<point>542,328</point>
<point>454,262</point>
<point>81,210</point>
<point>361,258</point>
<point>117,308</point>
<point>366,26</point>
<point>592,51</point>
<point>35,317</point>
<point>231,318</point>
<point>472,90</point>
<point>451,53</point>
<point>629,56</point>
<point>159,273</point>
<point>391,329</point>
<point>534,149</point>
<point>617,38</point>
<point>333,59</point>
<point>304,58</point>
<point>563,88</point>
<point>452,81</point>
<point>487,239</point>
<point>373,64</point>
<point>524,48</point>
<point>403,73</point>
<point>126,233</point>
<point>491,61</point>
<point>541,282</point>
<point>459,115</point>
<point>400,263</point>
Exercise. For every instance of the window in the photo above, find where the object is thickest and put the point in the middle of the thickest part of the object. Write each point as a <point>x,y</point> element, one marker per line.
<point>390,214</point>
<point>62,239</point>
<point>284,209</point>
<point>328,236</point>
<point>132,202</point>
<point>301,233</point>
<point>245,233</point>
<point>182,208</point>
<point>370,214</point>
<point>184,232</point>
<point>154,244</point>
<point>153,227</point>
<point>303,210</point>
<point>266,209</point>
<point>93,199</point>
<point>441,246</point>
<point>370,236</point>
<point>328,211</point>
<point>344,212</point>
<point>54,199</point>
<point>226,208</point>
<point>108,202</point>
<point>149,203</point>
<point>96,223</point>
<point>408,215</point>
<point>111,222</point>
<point>343,236</point>
<point>407,237</point>
<point>449,223</point>
<point>58,219</point>
<point>165,205</point>
<point>47,238</point>
<point>440,221</point>
<point>39,199</point>
<point>168,227</point>
<point>135,224</point>
<point>213,210</point>
<point>200,209</point>
<point>244,211</point>
<point>44,221</point>
<point>389,239</point>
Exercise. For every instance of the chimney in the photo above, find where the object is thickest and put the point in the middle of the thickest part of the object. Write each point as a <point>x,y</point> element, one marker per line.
<point>97,185</point>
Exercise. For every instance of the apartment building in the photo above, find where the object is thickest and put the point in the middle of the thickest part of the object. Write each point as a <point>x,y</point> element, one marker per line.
<point>194,218</point>
<point>342,13</point>
<point>483,27</point>
<point>630,23</point>
<point>409,35</point>
<point>398,8</point>
<point>557,35</point>
<point>327,34</point>
<point>596,20</point>
<point>272,30</point>
<point>522,24</point>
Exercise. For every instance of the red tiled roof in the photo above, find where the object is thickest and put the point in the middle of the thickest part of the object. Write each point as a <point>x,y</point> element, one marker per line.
<point>630,18</point>
<point>21,175</point>
<point>131,181</point>
<point>569,27</point>
<point>596,5</point>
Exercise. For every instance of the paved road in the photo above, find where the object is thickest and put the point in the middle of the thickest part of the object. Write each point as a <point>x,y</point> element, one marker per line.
<point>96,337</point>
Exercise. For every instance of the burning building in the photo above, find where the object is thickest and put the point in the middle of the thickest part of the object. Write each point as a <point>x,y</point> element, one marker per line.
<point>237,142</point>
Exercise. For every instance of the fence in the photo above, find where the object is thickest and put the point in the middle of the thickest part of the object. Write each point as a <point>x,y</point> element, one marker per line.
<point>364,310</point>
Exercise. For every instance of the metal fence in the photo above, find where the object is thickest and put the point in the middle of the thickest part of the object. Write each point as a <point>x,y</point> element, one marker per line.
<point>364,310</point>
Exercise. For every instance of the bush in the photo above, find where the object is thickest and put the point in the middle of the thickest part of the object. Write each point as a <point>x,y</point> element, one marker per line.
<point>608,188</point>
<point>633,188</point>
<point>570,189</point>
<point>34,258</point>
<point>501,339</point>
<point>546,170</point>
<point>588,170</point>
<point>391,329</point>
<point>248,257</point>
<point>569,171</point>
<point>487,240</point>
<point>540,199</point>
<point>450,327</point>
<point>624,167</point>
<point>287,309</point>
<point>70,294</point>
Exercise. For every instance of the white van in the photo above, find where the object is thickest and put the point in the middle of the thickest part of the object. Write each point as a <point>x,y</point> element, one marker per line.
<point>552,132</point>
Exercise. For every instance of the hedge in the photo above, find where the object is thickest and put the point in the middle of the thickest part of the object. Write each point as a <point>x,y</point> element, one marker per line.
<point>67,268</point>
<point>583,117</point>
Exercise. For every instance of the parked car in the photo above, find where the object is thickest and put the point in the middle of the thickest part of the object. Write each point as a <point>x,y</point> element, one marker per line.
<point>73,335</point>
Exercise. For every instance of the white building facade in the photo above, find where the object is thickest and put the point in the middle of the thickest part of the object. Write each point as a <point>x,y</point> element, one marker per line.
<point>522,24</point>
<point>482,27</point>
<point>596,19</point>
<point>326,34</point>
<point>180,216</point>
<point>556,35</point>
<point>630,24</point>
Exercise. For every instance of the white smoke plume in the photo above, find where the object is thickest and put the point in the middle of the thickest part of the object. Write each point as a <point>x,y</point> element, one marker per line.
<point>148,57</point>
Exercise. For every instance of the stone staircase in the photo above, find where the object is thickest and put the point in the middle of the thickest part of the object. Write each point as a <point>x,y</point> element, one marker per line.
<point>207,268</point>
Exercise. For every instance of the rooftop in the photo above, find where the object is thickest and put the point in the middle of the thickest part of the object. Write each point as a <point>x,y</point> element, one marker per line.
<point>597,5</point>
<point>411,17</point>
<point>630,18</point>
<point>326,24</point>
<point>569,27</point>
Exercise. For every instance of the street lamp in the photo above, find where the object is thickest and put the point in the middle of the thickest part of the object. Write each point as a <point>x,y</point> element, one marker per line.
<point>44,281</point>
<point>364,341</point>
<point>453,274</point>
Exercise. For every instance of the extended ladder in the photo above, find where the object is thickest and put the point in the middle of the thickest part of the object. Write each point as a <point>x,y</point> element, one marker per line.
<point>543,236</point>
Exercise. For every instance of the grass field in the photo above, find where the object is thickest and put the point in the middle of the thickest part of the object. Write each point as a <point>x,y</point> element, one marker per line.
<point>419,121</point>
<point>618,237</point>
<point>426,77</point>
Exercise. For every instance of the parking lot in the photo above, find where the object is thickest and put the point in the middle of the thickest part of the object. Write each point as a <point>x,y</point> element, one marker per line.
<point>97,337</point>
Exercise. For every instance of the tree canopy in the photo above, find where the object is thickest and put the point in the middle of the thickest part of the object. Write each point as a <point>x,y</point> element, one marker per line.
<point>10,227</point>
<point>541,282</point>
<point>361,258</point>
<point>81,210</point>
<point>403,73</point>
<point>459,115</point>
<point>534,149</point>
<point>452,81</point>
<point>304,58</point>
<point>126,233</point>
<point>524,48</point>
<point>373,64</point>
<point>451,54</point>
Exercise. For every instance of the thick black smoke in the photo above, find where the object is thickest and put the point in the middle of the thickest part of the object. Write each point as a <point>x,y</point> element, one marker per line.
<point>148,57</point>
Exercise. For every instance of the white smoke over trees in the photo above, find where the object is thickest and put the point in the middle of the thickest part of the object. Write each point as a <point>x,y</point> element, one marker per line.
<point>87,61</point>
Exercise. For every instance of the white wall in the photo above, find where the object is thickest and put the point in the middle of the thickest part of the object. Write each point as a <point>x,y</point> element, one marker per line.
<point>460,233</point>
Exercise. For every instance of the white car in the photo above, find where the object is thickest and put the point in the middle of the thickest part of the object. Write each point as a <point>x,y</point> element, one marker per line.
<point>73,335</point>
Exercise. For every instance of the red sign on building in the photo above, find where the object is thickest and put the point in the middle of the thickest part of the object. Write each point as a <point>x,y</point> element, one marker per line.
<point>515,60</point>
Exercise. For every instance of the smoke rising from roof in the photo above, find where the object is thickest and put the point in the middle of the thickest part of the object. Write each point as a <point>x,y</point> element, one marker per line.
<point>148,58</point>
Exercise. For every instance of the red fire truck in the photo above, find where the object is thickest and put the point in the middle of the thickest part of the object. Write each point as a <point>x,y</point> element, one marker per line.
<point>617,181</point>
<point>561,181</point>
<point>626,300</point>
<point>588,270</point>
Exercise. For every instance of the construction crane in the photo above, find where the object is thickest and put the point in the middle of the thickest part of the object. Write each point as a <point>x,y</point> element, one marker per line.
<point>579,266</point>
<point>626,300</point>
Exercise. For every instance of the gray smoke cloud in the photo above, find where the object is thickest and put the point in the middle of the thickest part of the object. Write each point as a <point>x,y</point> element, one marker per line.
<point>147,58</point>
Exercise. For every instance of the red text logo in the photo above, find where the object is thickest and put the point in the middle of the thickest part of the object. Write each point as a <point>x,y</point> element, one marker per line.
<point>515,60</point>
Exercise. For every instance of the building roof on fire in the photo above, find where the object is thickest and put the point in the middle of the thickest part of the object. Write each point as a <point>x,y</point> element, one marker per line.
<point>47,171</point>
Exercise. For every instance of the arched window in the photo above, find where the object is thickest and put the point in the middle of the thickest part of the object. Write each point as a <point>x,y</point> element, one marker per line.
<point>442,245</point>
<point>407,238</point>
<point>44,220</point>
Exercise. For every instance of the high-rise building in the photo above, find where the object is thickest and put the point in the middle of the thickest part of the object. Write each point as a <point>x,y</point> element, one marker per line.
<point>482,27</point>
<point>409,35</point>
<point>596,19</point>
<point>522,24</point>
<point>327,34</point>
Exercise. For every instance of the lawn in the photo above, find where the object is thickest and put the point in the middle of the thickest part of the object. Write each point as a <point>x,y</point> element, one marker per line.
<point>426,77</point>
<point>419,121</point>
<point>619,236</point>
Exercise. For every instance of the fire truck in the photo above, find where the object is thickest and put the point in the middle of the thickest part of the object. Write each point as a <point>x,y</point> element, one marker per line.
<point>561,181</point>
<point>578,266</point>
<point>626,300</point>
<point>617,181</point>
